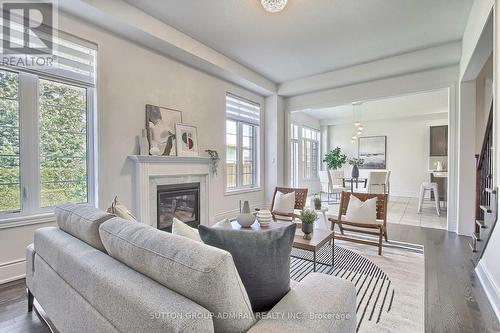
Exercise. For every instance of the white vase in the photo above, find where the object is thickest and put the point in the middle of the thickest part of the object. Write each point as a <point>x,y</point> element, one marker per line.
<point>143,142</point>
<point>245,219</point>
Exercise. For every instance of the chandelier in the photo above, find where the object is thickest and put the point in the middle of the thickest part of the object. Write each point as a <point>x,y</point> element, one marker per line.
<point>273,6</point>
<point>358,127</point>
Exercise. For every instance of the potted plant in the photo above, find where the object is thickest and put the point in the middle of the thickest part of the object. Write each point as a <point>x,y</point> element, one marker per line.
<point>334,159</point>
<point>356,163</point>
<point>317,202</point>
<point>308,217</point>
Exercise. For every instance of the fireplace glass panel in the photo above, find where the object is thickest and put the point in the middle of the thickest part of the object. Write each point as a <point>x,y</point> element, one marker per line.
<point>180,201</point>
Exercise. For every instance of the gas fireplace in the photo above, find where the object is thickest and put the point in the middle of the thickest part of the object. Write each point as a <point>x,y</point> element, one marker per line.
<point>181,201</point>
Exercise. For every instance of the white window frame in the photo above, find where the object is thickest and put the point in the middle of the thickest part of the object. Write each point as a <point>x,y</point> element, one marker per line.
<point>240,188</point>
<point>29,155</point>
<point>294,155</point>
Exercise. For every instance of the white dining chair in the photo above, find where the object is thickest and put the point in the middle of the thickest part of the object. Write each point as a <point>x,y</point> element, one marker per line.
<point>378,182</point>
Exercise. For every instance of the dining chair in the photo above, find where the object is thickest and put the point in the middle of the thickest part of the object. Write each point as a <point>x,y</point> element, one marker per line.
<point>326,184</point>
<point>378,182</point>
<point>337,181</point>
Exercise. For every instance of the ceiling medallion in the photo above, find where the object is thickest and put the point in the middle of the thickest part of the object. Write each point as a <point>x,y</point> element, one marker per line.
<point>273,6</point>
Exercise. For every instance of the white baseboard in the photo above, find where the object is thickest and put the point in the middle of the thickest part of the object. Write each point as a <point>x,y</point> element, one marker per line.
<point>489,286</point>
<point>13,270</point>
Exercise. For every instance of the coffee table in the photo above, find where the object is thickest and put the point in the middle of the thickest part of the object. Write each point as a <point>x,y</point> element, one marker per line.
<point>319,238</point>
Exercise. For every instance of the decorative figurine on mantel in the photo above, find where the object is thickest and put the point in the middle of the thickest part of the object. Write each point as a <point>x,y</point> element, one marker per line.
<point>214,159</point>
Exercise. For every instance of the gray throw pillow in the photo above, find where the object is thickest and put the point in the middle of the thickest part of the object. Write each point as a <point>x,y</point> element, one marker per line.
<point>262,259</point>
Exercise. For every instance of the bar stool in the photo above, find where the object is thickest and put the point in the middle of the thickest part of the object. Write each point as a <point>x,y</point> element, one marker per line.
<point>429,187</point>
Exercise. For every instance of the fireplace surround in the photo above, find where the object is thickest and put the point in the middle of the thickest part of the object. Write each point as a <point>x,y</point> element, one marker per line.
<point>153,172</point>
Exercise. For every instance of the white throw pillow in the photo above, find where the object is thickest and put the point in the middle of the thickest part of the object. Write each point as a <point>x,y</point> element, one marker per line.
<point>362,211</point>
<point>182,229</point>
<point>120,210</point>
<point>223,224</point>
<point>284,203</point>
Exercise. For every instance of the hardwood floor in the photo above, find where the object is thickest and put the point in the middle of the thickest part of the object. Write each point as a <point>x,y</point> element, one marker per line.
<point>14,316</point>
<point>455,301</point>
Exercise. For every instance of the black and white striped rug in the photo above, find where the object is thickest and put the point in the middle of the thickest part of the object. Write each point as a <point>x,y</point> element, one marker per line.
<point>376,292</point>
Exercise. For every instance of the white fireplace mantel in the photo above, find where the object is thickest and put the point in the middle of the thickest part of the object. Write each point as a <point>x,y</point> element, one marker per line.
<point>153,171</point>
<point>169,159</point>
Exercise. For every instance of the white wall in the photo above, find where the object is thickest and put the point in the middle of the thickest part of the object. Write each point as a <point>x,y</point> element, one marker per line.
<point>302,120</point>
<point>407,148</point>
<point>129,77</point>
<point>466,208</point>
<point>274,145</point>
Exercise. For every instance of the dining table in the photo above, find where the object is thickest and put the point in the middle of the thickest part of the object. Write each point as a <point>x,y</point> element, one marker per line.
<point>356,180</point>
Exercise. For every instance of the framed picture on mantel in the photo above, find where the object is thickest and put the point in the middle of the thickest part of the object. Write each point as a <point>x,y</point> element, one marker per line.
<point>187,140</point>
<point>372,150</point>
<point>160,123</point>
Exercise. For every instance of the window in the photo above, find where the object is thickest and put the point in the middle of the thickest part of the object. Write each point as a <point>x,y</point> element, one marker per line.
<point>310,153</point>
<point>63,143</point>
<point>242,133</point>
<point>46,142</point>
<point>10,187</point>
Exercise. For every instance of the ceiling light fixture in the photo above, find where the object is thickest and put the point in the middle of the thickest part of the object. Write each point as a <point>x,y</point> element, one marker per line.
<point>273,6</point>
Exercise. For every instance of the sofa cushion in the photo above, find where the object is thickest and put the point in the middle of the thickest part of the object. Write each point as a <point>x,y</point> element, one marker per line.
<point>318,303</point>
<point>82,221</point>
<point>129,300</point>
<point>202,273</point>
<point>261,257</point>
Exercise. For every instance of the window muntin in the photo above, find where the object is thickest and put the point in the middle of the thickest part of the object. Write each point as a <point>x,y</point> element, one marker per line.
<point>242,132</point>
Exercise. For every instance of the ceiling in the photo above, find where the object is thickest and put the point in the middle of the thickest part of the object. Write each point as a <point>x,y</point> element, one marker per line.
<point>312,36</point>
<point>423,103</point>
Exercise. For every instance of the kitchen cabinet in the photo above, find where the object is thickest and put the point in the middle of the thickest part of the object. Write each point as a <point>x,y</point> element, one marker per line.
<point>439,141</point>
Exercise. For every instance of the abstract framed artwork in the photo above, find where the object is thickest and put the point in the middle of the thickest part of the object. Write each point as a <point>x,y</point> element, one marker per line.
<point>372,150</point>
<point>187,140</point>
<point>160,125</point>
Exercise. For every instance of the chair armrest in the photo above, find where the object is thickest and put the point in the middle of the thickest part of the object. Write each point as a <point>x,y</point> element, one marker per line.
<point>318,303</point>
<point>292,215</point>
<point>30,266</point>
<point>355,224</point>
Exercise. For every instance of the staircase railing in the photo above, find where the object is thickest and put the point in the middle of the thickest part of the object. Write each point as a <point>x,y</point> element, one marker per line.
<point>486,195</point>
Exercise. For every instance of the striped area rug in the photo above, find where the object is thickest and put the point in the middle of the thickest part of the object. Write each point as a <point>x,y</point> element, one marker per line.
<point>380,286</point>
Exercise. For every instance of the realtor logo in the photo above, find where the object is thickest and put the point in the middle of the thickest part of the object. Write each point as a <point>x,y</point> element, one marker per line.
<point>27,28</point>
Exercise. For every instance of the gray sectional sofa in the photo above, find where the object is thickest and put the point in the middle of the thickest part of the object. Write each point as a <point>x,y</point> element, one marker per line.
<point>99,273</point>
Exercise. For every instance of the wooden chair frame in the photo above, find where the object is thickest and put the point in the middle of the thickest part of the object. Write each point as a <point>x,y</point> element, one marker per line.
<point>379,230</point>
<point>300,201</point>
